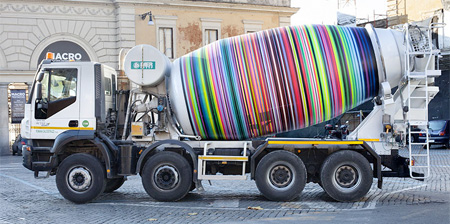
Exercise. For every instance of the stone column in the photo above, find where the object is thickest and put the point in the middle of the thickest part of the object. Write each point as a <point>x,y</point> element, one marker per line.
<point>4,120</point>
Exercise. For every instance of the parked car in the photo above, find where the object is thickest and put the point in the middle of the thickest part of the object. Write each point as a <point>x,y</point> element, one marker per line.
<point>439,133</point>
<point>17,145</point>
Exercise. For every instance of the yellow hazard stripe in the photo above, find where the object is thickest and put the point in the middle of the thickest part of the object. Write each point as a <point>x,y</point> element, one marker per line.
<point>223,158</point>
<point>316,142</point>
<point>62,128</point>
<point>369,139</point>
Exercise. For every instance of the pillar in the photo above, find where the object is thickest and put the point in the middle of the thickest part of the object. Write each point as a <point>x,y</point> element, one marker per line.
<point>4,120</point>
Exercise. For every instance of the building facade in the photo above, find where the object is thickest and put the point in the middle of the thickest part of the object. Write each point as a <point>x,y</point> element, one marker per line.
<point>103,30</point>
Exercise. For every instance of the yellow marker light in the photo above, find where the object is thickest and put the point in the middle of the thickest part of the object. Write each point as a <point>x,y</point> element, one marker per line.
<point>49,55</point>
<point>108,170</point>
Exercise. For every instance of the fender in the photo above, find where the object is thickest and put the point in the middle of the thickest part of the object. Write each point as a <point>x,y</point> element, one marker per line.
<point>74,135</point>
<point>183,145</point>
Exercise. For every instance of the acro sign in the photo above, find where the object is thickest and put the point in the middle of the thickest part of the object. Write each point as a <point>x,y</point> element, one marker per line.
<point>65,51</point>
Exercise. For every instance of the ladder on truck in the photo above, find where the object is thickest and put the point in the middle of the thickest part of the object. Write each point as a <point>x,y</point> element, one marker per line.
<point>419,44</point>
<point>224,159</point>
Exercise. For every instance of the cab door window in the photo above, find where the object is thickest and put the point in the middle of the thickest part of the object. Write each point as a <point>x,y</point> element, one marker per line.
<point>59,90</point>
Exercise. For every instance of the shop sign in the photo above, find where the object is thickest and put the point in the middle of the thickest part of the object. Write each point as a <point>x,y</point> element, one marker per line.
<point>65,51</point>
<point>18,99</point>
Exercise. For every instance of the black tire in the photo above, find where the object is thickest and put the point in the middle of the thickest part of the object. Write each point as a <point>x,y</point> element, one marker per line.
<point>167,176</point>
<point>346,176</point>
<point>80,178</point>
<point>19,151</point>
<point>113,184</point>
<point>280,176</point>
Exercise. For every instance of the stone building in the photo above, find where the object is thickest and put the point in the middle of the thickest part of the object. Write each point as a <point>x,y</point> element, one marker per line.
<point>99,30</point>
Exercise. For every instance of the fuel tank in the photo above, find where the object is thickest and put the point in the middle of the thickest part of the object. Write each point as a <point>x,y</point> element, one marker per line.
<point>271,81</point>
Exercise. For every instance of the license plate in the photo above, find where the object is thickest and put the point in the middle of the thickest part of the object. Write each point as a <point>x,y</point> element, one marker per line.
<point>431,140</point>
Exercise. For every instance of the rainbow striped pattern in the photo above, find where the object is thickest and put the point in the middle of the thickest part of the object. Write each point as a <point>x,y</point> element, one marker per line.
<point>277,80</point>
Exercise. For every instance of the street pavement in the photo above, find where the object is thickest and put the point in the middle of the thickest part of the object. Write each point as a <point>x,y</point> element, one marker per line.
<point>24,199</point>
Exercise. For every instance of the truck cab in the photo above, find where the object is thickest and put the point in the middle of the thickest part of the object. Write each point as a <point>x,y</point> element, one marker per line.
<point>64,104</point>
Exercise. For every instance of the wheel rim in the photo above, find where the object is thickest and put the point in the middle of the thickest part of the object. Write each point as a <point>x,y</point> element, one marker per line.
<point>280,176</point>
<point>166,177</point>
<point>79,179</point>
<point>346,177</point>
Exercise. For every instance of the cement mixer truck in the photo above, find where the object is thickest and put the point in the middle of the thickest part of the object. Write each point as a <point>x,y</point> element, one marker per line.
<point>214,113</point>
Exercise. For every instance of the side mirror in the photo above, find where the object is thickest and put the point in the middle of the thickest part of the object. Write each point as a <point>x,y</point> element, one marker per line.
<point>39,90</point>
<point>40,76</point>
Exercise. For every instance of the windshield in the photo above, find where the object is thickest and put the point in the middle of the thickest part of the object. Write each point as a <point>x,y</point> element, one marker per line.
<point>437,125</point>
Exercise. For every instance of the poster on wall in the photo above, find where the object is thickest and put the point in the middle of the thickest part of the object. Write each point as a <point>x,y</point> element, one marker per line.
<point>18,100</point>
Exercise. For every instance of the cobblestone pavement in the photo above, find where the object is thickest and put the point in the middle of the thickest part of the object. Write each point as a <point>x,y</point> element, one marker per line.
<point>24,199</point>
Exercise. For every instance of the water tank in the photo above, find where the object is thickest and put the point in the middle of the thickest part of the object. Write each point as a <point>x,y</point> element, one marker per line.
<point>280,79</point>
<point>145,65</point>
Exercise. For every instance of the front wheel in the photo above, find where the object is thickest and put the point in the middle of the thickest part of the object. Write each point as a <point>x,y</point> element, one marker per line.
<point>167,176</point>
<point>346,175</point>
<point>80,178</point>
<point>280,176</point>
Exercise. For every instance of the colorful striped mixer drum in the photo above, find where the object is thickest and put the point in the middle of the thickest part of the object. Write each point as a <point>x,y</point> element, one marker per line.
<point>273,81</point>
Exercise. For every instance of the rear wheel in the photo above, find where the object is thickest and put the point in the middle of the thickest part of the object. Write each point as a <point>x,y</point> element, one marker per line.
<point>80,178</point>
<point>280,176</point>
<point>346,175</point>
<point>114,184</point>
<point>167,176</point>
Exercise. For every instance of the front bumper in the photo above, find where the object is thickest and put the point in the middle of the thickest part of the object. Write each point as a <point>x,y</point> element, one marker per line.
<point>38,161</point>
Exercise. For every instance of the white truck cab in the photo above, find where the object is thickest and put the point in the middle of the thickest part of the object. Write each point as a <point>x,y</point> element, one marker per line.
<point>54,106</point>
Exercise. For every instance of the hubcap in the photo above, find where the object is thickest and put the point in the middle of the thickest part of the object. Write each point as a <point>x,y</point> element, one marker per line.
<point>346,176</point>
<point>79,179</point>
<point>280,176</point>
<point>166,177</point>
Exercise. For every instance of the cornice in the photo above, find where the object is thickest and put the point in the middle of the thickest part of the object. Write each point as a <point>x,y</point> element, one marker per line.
<point>56,9</point>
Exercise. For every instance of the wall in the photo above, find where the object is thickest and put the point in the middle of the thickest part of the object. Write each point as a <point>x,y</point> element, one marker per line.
<point>233,21</point>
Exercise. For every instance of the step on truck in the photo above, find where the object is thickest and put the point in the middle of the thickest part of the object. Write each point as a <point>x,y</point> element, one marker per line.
<point>214,113</point>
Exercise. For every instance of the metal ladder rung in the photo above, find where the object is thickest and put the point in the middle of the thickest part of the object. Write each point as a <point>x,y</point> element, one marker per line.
<point>420,52</point>
<point>417,122</point>
<point>419,167</point>
<point>418,143</point>
<point>417,132</point>
<point>418,97</point>
<point>224,158</point>
<point>418,155</point>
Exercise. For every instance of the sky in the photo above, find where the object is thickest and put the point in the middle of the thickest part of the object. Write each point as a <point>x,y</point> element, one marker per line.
<point>325,11</point>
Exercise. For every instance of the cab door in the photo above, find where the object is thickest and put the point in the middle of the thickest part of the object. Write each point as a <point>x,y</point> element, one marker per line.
<point>58,110</point>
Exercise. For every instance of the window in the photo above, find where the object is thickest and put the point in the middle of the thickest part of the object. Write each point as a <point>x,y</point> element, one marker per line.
<point>210,29</point>
<point>166,35</point>
<point>251,26</point>
<point>166,41</point>
<point>211,36</point>
<point>108,86</point>
<point>63,84</point>
<point>59,90</point>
